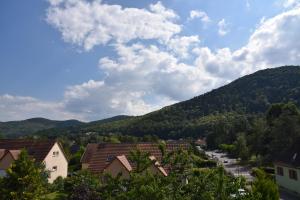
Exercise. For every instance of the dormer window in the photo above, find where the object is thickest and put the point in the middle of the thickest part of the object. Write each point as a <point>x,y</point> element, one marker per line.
<point>55,154</point>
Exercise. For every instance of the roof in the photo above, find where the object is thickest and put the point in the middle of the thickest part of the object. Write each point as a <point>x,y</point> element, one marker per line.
<point>291,156</point>
<point>201,142</point>
<point>38,149</point>
<point>98,155</point>
<point>15,153</point>
<point>158,166</point>
<point>123,160</point>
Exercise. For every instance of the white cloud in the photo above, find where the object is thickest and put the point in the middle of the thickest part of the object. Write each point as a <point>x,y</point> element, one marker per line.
<point>223,27</point>
<point>20,107</point>
<point>199,14</point>
<point>87,24</point>
<point>141,78</point>
<point>290,3</point>
<point>181,45</point>
<point>274,43</point>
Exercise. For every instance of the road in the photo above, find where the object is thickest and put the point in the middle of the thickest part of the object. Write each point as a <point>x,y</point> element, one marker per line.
<point>231,165</point>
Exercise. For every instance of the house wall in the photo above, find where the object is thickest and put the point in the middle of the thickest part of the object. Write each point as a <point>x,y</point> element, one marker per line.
<point>6,161</point>
<point>115,168</point>
<point>285,181</point>
<point>60,161</point>
<point>84,165</point>
<point>154,170</point>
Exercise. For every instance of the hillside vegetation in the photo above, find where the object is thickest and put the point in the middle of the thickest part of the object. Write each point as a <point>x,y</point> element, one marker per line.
<point>30,126</point>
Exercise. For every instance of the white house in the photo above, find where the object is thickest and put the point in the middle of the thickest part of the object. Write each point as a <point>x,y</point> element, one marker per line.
<point>287,169</point>
<point>49,152</point>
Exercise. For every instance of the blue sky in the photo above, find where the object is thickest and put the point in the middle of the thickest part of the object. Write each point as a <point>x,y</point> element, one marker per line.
<point>89,60</point>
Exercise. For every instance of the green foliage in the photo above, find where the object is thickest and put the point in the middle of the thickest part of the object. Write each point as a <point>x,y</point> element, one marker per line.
<point>229,148</point>
<point>265,188</point>
<point>74,163</point>
<point>25,180</point>
<point>82,185</point>
<point>241,147</point>
<point>58,185</point>
<point>140,159</point>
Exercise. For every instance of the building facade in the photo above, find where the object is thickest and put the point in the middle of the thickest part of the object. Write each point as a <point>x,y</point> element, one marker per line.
<point>288,177</point>
<point>49,152</point>
<point>287,169</point>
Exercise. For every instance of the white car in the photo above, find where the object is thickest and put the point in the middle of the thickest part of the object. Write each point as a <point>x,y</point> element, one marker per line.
<point>241,192</point>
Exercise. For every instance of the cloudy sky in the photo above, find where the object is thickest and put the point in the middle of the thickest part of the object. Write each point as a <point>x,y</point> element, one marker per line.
<point>89,60</point>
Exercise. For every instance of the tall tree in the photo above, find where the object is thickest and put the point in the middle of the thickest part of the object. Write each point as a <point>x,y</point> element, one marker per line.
<point>25,180</point>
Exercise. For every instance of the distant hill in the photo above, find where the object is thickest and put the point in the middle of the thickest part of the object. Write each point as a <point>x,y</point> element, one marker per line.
<point>29,126</point>
<point>231,105</point>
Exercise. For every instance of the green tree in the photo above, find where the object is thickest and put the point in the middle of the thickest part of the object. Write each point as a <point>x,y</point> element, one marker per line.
<point>241,147</point>
<point>141,160</point>
<point>25,180</point>
<point>264,188</point>
<point>82,186</point>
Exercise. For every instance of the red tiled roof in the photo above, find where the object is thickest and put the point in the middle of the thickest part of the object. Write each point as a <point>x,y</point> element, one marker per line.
<point>98,156</point>
<point>38,149</point>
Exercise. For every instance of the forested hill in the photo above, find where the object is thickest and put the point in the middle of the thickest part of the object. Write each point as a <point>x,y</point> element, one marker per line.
<point>233,105</point>
<point>29,126</point>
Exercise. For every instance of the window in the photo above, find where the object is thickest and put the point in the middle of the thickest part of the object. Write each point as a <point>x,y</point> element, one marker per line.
<point>293,174</point>
<point>54,168</point>
<point>55,153</point>
<point>109,158</point>
<point>280,171</point>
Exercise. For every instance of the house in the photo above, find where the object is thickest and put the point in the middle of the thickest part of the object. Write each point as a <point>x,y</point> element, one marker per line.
<point>287,169</point>
<point>49,152</point>
<point>114,158</point>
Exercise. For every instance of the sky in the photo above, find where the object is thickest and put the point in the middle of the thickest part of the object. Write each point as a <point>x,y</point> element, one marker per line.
<point>93,59</point>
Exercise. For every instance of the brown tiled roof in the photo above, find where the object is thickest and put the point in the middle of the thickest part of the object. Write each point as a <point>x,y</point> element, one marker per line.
<point>89,151</point>
<point>98,156</point>
<point>38,149</point>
